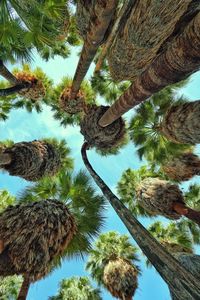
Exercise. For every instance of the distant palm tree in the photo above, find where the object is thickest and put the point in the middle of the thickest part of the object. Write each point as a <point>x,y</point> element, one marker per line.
<point>157,196</point>
<point>36,159</point>
<point>77,288</point>
<point>111,264</point>
<point>164,263</point>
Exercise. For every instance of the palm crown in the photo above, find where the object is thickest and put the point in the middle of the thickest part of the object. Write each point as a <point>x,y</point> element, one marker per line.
<point>77,288</point>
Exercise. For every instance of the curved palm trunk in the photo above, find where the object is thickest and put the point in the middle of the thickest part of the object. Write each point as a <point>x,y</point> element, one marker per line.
<point>105,10</point>
<point>4,72</point>
<point>179,60</point>
<point>24,289</point>
<point>112,35</point>
<point>188,212</point>
<point>14,89</point>
<point>187,285</point>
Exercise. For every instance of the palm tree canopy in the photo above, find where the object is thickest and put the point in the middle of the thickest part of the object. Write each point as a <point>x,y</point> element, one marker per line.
<point>80,196</point>
<point>127,185</point>
<point>9,287</point>
<point>144,127</point>
<point>77,288</point>
<point>109,246</point>
<point>22,30</point>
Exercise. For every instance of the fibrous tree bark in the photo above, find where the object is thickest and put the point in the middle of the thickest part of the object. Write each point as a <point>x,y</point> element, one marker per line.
<point>180,59</point>
<point>104,11</point>
<point>180,281</point>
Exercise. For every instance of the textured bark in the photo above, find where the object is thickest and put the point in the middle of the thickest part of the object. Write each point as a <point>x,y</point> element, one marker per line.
<point>158,197</point>
<point>120,278</point>
<point>24,289</point>
<point>95,135</point>
<point>15,89</point>
<point>5,159</point>
<point>7,74</point>
<point>180,280</point>
<point>121,15</point>
<point>188,212</point>
<point>180,59</point>
<point>32,160</point>
<point>33,234</point>
<point>72,106</point>
<point>143,34</point>
<point>183,167</point>
<point>36,91</point>
<point>104,11</point>
<point>6,266</point>
<point>181,123</point>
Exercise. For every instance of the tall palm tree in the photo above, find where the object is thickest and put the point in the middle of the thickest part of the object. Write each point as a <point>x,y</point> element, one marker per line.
<point>111,264</point>
<point>179,244</point>
<point>33,235</point>
<point>164,263</point>
<point>155,195</point>
<point>36,159</point>
<point>78,198</point>
<point>77,288</point>
<point>180,124</point>
<point>179,59</point>
<point>99,19</point>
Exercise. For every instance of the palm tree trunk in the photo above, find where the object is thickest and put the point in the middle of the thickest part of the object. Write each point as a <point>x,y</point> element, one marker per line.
<point>5,159</point>
<point>188,212</point>
<point>24,289</point>
<point>6,266</point>
<point>168,267</point>
<point>179,60</point>
<point>7,74</point>
<point>112,35</point>
<point>15,89</point>
<point>105,10</point>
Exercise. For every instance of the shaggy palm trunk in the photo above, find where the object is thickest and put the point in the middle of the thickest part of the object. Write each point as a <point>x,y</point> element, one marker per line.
<point>180,59</point>
<point>31,160</point>
<point>15,89</point>
<point>120,278</point>
<point>181,123</point>
<point>183,167</point>
<point>4,72</point>
<point>105,11</point>
<point>160,197</point>
<point>24,289</point>
<point>187,285</point>
<point>112,35</point>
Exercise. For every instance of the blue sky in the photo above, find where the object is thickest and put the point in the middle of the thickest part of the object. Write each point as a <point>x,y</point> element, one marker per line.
<point>23,126</point>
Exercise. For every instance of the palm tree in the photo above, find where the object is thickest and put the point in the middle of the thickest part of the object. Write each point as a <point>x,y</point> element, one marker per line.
<point>109,89</point>
<point>126,189</point>
<point>45,227</point>
<point>101,15</point>
<point>77,288</point>
<point>33,160</point>
<point>84,207</point>
<point>179,59</point>
<point>165,264</point>
<point>111,264</point>
<point>180,123</point>
<point>9,287</point>
<point>95,135</point>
